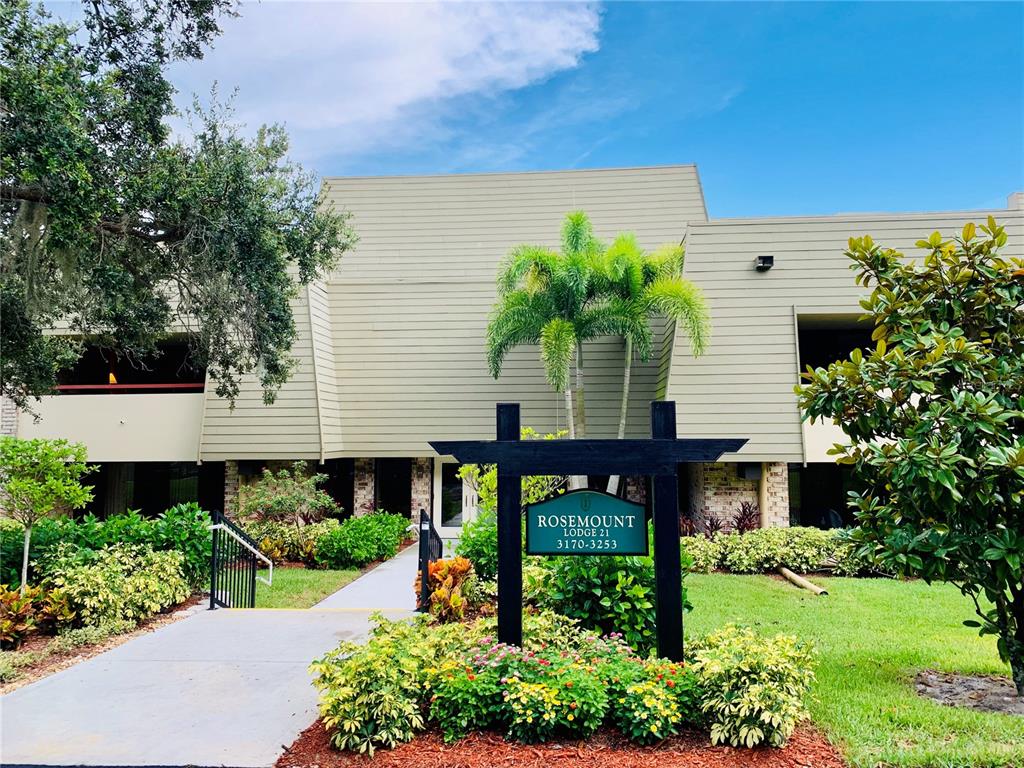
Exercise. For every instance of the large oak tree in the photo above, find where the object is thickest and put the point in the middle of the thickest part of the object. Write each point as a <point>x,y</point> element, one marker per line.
<point>117,230</point>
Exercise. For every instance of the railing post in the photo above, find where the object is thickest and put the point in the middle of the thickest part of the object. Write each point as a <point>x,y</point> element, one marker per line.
<point>213,560</point>
<point>424,561</point>
<point>252,580</point>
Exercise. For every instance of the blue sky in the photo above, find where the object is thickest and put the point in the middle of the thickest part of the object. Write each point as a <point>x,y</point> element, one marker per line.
<point>797,108</point>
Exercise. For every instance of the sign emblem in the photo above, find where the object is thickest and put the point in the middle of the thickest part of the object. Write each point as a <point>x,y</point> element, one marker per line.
<point>586,523</point>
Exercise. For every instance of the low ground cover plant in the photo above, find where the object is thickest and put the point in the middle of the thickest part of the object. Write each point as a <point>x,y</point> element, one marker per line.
<point>564,681</point>
<point>359,541</point>
<point>34,609</point>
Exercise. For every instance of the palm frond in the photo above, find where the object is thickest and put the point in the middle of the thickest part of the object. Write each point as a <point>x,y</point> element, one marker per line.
<point>527,266</point>
<point>517,319</point>
<point>667,260</point>
<point>617,317</point>
<point>557,346</point>
<point>683,302</point>
<point>577,234</point>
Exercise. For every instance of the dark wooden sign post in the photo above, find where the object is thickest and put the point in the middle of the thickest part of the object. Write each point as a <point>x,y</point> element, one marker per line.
<point>658,457</point>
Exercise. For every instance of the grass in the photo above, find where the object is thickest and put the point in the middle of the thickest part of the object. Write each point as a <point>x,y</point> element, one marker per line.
<point>872,636</point>
<point>300,587</point>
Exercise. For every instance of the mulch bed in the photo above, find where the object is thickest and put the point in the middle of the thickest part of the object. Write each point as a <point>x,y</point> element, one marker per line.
<point>989,693</point>
<point>55,662</point>
<point>607,749</point>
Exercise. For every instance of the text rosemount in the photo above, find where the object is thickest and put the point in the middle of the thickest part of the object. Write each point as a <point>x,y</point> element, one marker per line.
<point>586,523</point>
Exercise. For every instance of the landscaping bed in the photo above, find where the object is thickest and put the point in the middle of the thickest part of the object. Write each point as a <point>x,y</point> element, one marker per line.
<point>37,658</point>
<point>806,748</point>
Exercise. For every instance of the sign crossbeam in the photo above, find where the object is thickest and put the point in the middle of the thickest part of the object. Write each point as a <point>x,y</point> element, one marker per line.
<point>596,457</point>
<point>566,526</point>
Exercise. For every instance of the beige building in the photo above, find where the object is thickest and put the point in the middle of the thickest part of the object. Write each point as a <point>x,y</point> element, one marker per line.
<point>391,352</point>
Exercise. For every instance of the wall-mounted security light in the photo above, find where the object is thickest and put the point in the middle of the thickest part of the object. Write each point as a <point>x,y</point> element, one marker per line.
<point>764,263</point>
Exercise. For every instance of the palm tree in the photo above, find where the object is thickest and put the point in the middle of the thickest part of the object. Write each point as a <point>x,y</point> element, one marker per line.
<point>550,299</point>
<point>649,285</point>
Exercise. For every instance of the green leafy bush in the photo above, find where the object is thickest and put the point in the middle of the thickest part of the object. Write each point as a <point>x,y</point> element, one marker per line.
<point>371,694</point>
<point>564,681</point>
<point>360,541</point>
<point>284,542</point>
<point>705,553</point>
<point>752,688</point>
<point>290,495</point>
<point>478,543</point>
<point>607,594</point>
<point>764,550</point>
<point>184,528</point>
<point>119,583</point>
<point>12,539</point>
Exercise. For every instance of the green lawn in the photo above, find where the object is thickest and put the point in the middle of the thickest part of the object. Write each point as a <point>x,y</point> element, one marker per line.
<point>873,635</point>
<point>300,587</point>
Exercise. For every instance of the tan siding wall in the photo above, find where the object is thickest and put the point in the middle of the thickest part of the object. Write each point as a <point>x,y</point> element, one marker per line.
<point>288,429</point>
<point>743,385</point>
<point>325,366</point>
<point>410,304</point>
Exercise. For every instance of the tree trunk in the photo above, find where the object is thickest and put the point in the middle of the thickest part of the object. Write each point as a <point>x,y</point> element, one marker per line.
<point>570,421</point>
<point>627,371</point>
<point>1017,670</point>
<point>24,560</point>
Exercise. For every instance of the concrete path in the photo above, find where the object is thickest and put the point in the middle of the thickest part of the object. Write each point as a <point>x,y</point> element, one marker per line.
<point>219,688</point>
<point>388,586</point>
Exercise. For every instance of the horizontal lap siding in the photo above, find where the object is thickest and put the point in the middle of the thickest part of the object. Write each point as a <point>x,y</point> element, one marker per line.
<point>288,429</point>
<point>743,385</point>
<point>410,304</point>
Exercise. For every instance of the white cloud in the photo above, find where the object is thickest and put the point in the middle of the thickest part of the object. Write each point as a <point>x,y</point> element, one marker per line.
<point>351,78</point>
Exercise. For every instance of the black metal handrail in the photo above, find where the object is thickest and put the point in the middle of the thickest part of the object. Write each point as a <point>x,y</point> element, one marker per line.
<point>431,549</point>
<point>234,562</point>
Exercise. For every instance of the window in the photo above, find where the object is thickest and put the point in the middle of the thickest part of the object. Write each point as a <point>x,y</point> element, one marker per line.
<point>817,495</point>
<point>451,495</point>
<point>825,340</point>
<point>103,371</point>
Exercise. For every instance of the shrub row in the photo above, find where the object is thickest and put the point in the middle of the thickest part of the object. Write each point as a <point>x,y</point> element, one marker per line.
<point>766,549</point>
<point>565,681</point>
<point>184,528</point>
<point>359,541</point>
<point>287,542</point>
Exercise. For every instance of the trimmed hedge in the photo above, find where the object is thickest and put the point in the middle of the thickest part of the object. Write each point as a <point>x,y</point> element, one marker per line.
<point>767,549</point>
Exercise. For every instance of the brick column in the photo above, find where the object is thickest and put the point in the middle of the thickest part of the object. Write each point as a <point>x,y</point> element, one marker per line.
<point>719,490</point>
<point>363,488</point>
<point>422,486</point>
<point>774,494</point>
<point>8,417</point>
<point>231,482</point>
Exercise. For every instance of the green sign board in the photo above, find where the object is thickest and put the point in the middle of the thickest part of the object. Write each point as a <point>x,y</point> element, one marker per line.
<point>586,523</point>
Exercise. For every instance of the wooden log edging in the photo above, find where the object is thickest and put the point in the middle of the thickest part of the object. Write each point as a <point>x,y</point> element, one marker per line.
<point>800,581</point>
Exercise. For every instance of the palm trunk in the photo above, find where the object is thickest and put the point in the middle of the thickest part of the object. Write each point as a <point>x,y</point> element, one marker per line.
<point>581,408</point>
<point>570,421</point>
<point>24,560</point>
<point>627,371</point>
<point>577,482</point>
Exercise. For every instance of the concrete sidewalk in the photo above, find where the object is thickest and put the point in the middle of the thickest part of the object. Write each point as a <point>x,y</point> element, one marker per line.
<point>389,586</point>
<point>218,688</point>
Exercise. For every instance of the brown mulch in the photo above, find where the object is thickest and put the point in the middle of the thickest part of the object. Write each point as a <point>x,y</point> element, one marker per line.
<point>55,662</point>
<point>606,749</point>
<point>989,693</point>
